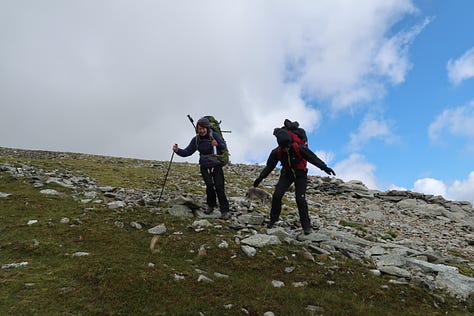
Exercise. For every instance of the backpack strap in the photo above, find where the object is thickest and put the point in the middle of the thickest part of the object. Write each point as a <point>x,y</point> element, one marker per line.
<point>296,148</point>
<point>301,162</point>
<point>211,136</point>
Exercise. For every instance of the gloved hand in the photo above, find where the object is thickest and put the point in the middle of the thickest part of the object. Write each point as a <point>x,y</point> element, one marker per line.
<point>329,171</point>
<point>257,182</point>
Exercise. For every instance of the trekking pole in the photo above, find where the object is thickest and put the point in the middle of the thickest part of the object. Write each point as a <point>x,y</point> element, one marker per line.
<point>192,121</point>
<point>166,176</point>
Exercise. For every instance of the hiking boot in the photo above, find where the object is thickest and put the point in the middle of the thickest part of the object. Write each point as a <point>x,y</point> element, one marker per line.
<point>209,210</point>
<point>307,231</point>
<point>270,224</point>
<point>225,215</point>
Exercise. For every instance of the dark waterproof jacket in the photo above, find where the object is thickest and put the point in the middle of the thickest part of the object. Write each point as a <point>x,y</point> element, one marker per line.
<point>203,145</point>
<point>289,162</point>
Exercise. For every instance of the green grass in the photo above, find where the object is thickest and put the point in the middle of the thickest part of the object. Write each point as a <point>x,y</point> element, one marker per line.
<point>391,233</point>
<point>353,225</point>
<point>117,279</point>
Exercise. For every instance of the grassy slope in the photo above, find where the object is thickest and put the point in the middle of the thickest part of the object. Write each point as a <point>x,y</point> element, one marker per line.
<point>116,277</point>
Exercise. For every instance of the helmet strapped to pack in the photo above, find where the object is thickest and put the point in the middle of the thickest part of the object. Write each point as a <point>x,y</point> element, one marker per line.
<point>283,137</point>
<point>294,127</point>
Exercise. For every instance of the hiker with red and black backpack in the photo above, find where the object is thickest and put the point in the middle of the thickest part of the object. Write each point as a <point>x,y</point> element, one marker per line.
<point>293,154</point>
<point>210,146</point>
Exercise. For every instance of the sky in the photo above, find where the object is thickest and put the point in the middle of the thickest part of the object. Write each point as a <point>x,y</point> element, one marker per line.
<point>384,89</point>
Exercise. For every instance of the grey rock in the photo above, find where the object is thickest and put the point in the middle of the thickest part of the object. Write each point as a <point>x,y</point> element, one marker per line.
<point>181,200</point>
<point>158,230</point>
<point>205,279</point>
<point>201,224</point>
<point>136,225</point>
<point>252,219</point>
<point>116,204</point>
<point>261,240</point>
<point>278,284</point>
<point>430,267</point>
<point>396,271</point>
<point>49,192</point>
<point>457,284</point>
<point>106,189</point>
<point>248,250</point>
<point>180,211</point>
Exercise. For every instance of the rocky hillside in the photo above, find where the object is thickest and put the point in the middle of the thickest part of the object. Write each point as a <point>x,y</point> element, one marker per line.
<point>420,239</point>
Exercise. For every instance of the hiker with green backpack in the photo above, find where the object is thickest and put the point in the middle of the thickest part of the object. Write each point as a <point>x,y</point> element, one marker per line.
<point>213,155</point>
<point>293,154</point>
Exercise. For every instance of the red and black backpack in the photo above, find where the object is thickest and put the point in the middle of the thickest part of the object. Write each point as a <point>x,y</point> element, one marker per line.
<point>298,138</point>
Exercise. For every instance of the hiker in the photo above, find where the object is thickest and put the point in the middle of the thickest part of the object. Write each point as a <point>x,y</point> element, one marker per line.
<point>293,156</point>
<point>212,172</point>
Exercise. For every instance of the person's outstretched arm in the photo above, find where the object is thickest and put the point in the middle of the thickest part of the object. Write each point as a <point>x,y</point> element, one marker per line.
<point>315,160</point>
<point>271,164</point>
<point>188,151</point>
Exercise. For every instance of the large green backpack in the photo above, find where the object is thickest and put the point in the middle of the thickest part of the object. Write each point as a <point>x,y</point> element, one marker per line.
<point>222,155</point>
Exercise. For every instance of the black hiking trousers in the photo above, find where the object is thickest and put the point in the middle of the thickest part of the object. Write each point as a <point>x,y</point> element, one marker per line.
<point>215,186</point>
<point>287,177</point>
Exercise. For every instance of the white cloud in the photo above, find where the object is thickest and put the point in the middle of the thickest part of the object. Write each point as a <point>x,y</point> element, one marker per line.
<point>462,68</point>
<point>430,186</point>
<point>392,59</point>
<point>356,167</point>
<point>457,191</point>
<point>325,156</point>
<point>396,187</point>
<point>462,190</point>
<point>121,78</point>
<point>343,52</point>
<point>254,139</point>
<point>457,121</point>
<point>371,128</point>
